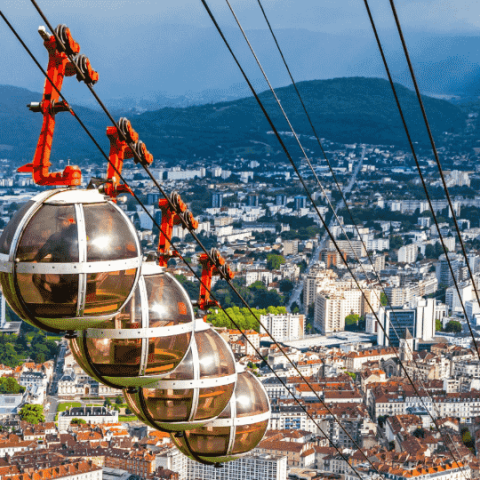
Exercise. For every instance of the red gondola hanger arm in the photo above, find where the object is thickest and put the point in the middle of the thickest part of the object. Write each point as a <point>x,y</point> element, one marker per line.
<point>217,267</point>
<point>59,67</point>
<point>124,143</point>
<point>170,217</point>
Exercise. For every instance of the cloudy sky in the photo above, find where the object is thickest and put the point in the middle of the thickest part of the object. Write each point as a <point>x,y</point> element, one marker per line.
<point>147,46</point>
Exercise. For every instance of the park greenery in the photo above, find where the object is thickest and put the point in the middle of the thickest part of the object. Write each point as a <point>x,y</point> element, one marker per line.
<point>14,349</point>
<point>61,407</point>
<point>242,317</point>
<point>32,414</point>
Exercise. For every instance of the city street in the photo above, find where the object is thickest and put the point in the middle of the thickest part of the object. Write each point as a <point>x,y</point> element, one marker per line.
<point>295,296</point>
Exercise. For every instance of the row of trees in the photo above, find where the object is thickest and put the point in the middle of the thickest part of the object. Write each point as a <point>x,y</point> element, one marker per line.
<point>256,295</point>
<point>242,317</point>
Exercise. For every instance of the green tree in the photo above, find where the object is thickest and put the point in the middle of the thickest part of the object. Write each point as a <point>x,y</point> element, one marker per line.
<point>352,319</point>
<point>267,298</point>
<point>242,317</point>
<point>107,402</point>
<point>119,400</point>
<point>352,374</point>
<point>311,313</point>
<point>381,420</point>
<point>302,266</point>
<point>438,325</point>
<point>274,261</point>
<point>419,433</point>
<point>32,414</point>
<point>383,299</point>
<point>286,285</point>
<point>128,411</point>
<point>10,385</point>
<point>430,252</point>
<point>40,357</point>
<point>467,438</point>
<point>453,326</point>
<point>78,421</point>
<point>438,249</point>
<point>396,242</point>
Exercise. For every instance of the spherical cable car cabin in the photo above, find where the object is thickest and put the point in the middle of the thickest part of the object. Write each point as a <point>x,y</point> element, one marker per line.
<point>146,341</point>
<point>193,394</point>
<point>69,260</point>
<point>236,431</point>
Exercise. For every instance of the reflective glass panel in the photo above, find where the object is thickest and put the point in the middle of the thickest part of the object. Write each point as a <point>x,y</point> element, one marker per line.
<point>107,291</point>
<point>165,353</point>
<point>133,401</point>
<point>184,371</point>
<point>214,355</point>
<point>76,346</point>
<point>9,231</point>
<point>168,302</point>
<point>212,401</point>
<point>227,413</point>
<point>130,317</point>
<point>50,236</point>
<point>49,295</point>
<point>168,405</point>
<point>108,234</point>
<point>115,357</point>
<point>247,437</point>
<point>250,396</point>
<point>209,441</point>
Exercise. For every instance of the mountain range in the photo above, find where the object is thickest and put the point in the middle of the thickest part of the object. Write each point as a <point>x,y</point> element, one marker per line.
<point>347,110</point>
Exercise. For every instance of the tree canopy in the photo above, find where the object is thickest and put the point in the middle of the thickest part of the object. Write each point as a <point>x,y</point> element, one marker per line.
<point>453,326</point>
<point>383,299</point>
<point>242,317</point>
<point>274,261</point>
<point>32,414</point>
<point>15,348</point>
<point>351,319</point>
<point>78,421</point>
<point>10,385</point>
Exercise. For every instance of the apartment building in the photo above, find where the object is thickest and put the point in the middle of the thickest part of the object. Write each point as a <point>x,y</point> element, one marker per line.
<point>283,327</point>
<point>408,253</point>
<point>264,467</point>
<point>340,299</point>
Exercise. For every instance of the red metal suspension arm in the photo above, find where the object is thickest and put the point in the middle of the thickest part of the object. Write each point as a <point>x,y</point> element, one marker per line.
<point>210,268</point>
<point>171,217</point>
<point>119,151</point>
<point>59,67</point>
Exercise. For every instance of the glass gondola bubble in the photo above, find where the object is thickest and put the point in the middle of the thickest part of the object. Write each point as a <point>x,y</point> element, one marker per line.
<point>196,392</point>
<point>146,341</point>
<point>236,431</point>
<point>69,260</point>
